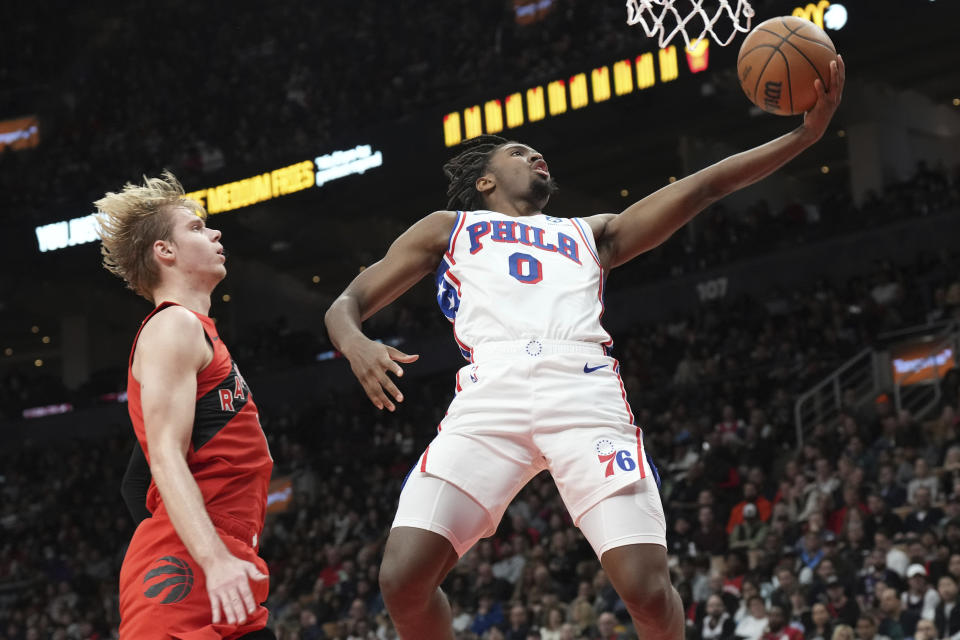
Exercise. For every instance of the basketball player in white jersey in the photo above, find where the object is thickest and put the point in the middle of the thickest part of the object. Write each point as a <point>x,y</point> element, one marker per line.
<point>525,294</point>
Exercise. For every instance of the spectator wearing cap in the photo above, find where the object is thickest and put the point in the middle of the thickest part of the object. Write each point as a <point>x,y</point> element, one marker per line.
<point>717,623</point>
<point>777,627</point>
<point>946,615</point>
<point>752,497</point>
<point>750,533</point>
<point>896,623</point>
<point>866,629</point>
<point>924,515</point>
<point>919,598</point>
<point>843,610</point>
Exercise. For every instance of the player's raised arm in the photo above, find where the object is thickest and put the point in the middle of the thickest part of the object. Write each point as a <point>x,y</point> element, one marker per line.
<point>649,222</point>
<point>413,255</point>
<point>170,351</point>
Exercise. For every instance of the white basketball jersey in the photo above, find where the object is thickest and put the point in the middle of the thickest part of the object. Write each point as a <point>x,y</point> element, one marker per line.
<point>510,278</point>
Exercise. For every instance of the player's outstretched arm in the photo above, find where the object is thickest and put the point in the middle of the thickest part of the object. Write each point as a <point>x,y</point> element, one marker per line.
<point>413,255</point>
<point>649,222</point>
<point>170,351</point>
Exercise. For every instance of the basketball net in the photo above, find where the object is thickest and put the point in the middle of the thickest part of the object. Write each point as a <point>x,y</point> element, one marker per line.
<point>655,15</point>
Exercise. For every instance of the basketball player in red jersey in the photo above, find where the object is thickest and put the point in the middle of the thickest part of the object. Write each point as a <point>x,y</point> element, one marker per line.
<point>522,289</point>
<point>191,570</point>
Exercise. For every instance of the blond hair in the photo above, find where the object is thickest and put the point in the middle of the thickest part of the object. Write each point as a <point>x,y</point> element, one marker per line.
<point>132,220</point>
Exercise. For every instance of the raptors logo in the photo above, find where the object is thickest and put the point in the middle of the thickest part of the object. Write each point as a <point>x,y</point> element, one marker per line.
<point>179,582</point>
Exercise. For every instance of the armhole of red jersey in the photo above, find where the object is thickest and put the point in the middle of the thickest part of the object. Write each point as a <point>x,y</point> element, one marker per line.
<point>160,307</point>
<point>213,348</point>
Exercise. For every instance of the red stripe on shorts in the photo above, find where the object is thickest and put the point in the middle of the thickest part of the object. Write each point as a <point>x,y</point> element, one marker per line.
<point>643,472</point>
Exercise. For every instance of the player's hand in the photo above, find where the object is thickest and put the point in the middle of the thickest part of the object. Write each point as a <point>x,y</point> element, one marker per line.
<point>228,585</point>
<point>817,119</point>
<point>370,362</point>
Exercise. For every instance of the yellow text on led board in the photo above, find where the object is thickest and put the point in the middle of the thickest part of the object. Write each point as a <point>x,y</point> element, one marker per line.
<point>559,96</point>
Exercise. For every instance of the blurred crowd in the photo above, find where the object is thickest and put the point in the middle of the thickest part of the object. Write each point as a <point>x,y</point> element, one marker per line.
<point>293,76</point>
<point>853,536</point>
<point>856,534</point>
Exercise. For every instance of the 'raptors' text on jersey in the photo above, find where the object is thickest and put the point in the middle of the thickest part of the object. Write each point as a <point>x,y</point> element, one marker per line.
<point>509,278</point>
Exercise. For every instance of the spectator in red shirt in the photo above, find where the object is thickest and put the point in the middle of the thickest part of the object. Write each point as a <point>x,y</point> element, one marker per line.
<point>730,424</point>
<point>750,496</point>
<point>851,502</point>
<point>777,627</point>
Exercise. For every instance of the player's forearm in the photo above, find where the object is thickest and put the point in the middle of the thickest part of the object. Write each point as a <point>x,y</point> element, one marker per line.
<point>743,169</point>
<point>343,322</point>
<point>184,503</point>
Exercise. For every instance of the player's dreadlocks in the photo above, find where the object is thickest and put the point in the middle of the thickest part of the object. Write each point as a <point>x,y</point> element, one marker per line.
<point>464,169</point>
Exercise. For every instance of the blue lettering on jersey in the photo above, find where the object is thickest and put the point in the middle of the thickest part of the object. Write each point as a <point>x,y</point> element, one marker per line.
<point>525,231</point>
<point>538,240</point>
<point>509,231</point>
<point>567,246</point>
<point>477,230</point>
<point>504,231</point>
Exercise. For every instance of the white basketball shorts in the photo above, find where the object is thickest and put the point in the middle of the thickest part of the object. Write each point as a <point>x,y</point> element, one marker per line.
<point>522,407</point>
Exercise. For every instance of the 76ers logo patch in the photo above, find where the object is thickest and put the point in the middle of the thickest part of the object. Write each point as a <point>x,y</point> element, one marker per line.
<point>177,586</point>
<point>609,455</point>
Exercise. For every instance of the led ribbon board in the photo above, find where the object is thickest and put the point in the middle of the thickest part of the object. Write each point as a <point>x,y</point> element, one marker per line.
<point>233,195</point>
<point>580,90</point>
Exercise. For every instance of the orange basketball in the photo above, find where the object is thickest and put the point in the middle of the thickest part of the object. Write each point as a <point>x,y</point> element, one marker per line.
<point>780,59</point>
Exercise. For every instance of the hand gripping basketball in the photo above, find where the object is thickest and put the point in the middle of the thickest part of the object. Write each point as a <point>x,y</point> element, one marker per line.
<point>816,119</point>
<point>780,59</point>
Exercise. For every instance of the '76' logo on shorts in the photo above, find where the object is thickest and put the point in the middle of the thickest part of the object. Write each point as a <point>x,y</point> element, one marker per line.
<point>608,454</point>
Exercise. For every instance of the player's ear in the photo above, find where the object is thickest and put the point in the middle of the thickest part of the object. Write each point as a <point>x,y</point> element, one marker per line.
<point>162,250</point>
<point>486,183</point>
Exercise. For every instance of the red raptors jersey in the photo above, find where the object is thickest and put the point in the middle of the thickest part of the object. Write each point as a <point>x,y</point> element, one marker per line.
<point>228,455</point>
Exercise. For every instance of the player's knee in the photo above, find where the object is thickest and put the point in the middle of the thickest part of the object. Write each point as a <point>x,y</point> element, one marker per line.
<point>402,583</point>
<point>649,593</point>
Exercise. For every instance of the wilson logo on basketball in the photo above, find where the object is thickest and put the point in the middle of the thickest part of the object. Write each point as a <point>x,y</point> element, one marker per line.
<point>176,587</point>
